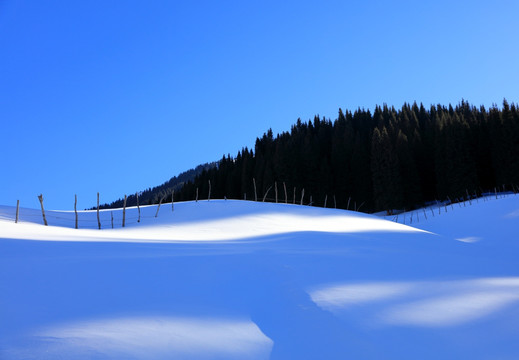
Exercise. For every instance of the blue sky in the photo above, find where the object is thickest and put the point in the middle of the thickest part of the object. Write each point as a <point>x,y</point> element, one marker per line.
<point>118,96</point>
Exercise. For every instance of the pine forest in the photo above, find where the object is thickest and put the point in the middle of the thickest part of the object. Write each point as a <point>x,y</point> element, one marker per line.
<point>382,161</point>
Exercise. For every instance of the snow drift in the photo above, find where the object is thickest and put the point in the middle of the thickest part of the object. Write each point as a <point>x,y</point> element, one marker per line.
<point>237,279</point>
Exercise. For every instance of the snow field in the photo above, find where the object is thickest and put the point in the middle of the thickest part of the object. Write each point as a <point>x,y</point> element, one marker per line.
<point>238,279</point>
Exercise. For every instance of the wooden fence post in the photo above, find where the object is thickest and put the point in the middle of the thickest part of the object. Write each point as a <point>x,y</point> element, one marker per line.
<point>285,188</point>
<point>98,220</point>
<point>196,199</point>
<point>450,201</point>
<point>265,196</point>
<point>294,199</point>
<point>255,193</point>
<point>75,208</point>
<point>348,206</point>
<point>124,210</point>
<point>40,197</point>
<point>17,211</point>
<point>138,207</point>
<point>158,207</point>
<point>173,200</point>
<point>276,190</point>
<point>302,196</point>
<point>112,217</point>
<point>334,202</point>
<point>209,196</point>
<point>325,200</point>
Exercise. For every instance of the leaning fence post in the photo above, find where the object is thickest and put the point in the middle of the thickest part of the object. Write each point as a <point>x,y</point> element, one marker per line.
<point>285,188</point>
<point>325,200</point>
<point>17,210</point>
<point>265,196</point>
<point>294,198</point>
<point>196,198</point>
<point>112,217</point>
<point>98,220</point>
<point>209,196</point>
<point>75,208</point>
<point>138,207</point>
<point>173,200</point>
<point>124,210</point>
<point>276,190</point>
<point>158,207</point>
<point>302,196</point>
<point>40,197</point>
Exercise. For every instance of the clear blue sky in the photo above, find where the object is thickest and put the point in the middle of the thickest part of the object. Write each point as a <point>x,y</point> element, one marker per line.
<point>118,96</point>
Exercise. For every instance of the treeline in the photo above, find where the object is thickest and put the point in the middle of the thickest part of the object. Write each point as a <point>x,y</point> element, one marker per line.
<point>153,195</point>
<point>388,159</point>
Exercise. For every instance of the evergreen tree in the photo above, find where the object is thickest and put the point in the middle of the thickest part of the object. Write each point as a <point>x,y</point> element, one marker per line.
<point>387,188</point>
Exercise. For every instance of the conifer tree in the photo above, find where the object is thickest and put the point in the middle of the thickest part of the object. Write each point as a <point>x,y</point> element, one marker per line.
<point>384,168</point>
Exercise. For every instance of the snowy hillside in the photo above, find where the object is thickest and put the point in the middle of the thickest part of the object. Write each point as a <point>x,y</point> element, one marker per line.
<point>245,280</point>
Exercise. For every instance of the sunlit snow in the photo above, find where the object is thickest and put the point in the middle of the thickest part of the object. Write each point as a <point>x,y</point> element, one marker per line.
<point>153,337</point>
<point>238,279</point>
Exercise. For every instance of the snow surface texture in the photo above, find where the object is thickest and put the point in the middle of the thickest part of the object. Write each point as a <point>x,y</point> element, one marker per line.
<point>237,279</point>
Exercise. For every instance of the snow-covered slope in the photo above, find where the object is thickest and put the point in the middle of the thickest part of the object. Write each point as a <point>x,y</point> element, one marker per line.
<point>281,282</point>
<point>188,221</point>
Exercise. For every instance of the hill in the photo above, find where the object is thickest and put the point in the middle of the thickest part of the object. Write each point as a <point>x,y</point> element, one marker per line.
<point>153,195</point>
<point>391,159</point>
<point>240,279</point>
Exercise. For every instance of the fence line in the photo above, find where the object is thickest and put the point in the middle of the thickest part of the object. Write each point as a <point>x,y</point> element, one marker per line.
<point>412,216</point>
<point>415,214</point>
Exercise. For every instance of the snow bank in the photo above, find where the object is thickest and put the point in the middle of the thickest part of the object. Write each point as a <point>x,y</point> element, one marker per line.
<point>193,221</point>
